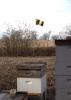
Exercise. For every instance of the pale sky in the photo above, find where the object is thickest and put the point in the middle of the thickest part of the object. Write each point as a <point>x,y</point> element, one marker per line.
<point>55,13</point>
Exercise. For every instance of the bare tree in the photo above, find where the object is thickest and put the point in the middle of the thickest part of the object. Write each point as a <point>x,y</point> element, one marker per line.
<point>68,30</point>
<point>12,39</point>
<point>46,36</point>
<point>18,39</point>
<point>55,37</point>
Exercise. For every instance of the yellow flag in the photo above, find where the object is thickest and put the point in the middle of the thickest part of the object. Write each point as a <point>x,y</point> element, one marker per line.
<point>37,21</point>
<point>41,23</point>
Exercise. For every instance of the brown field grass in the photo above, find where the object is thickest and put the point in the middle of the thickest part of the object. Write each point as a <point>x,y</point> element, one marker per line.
<point>8,67</point>
<point>8,71</point>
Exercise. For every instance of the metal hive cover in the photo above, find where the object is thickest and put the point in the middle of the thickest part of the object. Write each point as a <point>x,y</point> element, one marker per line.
<point>31,66</point>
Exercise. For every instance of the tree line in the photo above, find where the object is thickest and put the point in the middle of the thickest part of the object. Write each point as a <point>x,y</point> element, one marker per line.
<point>17,42</point>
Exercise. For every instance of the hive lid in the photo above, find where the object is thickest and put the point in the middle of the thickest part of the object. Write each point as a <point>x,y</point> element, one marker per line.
<point>63,42</point>
<point>31,65</point>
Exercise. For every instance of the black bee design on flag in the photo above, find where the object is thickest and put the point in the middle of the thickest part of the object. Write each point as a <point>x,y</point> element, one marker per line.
<point>39,22</point>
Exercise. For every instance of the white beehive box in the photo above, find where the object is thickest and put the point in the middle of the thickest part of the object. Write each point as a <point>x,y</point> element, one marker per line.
<point>31,85</point>
<point>32,78</point>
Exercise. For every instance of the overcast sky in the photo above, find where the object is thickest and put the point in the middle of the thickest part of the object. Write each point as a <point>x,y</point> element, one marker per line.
<point>55,13</point>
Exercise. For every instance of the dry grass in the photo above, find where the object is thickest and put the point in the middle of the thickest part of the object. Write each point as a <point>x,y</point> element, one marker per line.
<point>8,71</point>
